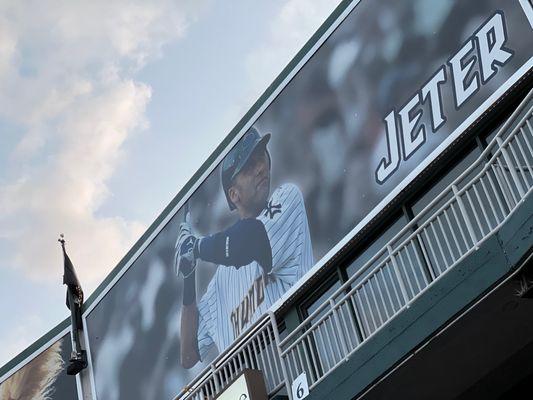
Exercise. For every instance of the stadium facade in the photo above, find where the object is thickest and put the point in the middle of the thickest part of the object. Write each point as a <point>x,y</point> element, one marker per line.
<point>399,219</point>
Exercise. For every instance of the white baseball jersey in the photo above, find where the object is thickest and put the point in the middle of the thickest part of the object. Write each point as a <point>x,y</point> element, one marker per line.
<point>235,298</point>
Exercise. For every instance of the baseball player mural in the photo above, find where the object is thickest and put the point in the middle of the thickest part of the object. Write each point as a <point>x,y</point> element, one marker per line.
<point>259,257</point>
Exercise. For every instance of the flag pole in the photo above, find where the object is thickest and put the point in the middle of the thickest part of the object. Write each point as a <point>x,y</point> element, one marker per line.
<point>74,301</point>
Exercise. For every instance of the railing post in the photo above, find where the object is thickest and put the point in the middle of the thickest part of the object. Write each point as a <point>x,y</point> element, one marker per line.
<point>339,327</point>
<point>462,207</point>
<point>281,361</point>
<point>398,275</point>
<point>510,165</point>
<point>215,378</point>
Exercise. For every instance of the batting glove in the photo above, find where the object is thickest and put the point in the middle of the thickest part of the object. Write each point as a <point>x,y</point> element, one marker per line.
<point>186,251</point>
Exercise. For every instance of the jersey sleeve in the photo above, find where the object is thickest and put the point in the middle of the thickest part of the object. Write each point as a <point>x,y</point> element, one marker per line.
<point>207,319</point>
<point>288,233</point>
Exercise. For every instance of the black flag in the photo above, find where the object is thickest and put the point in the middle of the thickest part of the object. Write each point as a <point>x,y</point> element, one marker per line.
<point>78,359</point>
<point>70,278</point>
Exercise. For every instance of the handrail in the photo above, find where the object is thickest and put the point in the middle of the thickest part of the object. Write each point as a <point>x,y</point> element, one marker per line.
<point>222,358</point>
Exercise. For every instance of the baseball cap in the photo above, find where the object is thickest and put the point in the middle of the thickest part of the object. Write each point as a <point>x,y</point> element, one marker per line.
<point>238,156</point>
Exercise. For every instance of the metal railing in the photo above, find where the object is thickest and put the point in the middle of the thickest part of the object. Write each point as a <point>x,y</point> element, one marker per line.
<point>445,232</point>
<point>256,350</point>
<point>450,228</point>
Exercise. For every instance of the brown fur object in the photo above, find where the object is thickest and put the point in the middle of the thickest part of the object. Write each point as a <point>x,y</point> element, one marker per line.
<point>35,380</point>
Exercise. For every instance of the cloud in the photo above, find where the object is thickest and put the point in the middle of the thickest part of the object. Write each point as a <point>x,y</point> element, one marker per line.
<point>19,335</point>
<point>63,193</point>
<point>67,80</point>
<point>296,22</point>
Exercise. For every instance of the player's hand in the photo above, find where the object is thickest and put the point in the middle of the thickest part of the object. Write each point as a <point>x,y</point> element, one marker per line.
<point>186,250</point>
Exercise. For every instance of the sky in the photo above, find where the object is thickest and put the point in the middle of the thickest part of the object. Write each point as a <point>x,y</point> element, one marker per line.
<point>107,108</point>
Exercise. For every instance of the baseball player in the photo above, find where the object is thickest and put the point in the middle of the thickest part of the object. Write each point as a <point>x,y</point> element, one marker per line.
<point>259,257</point>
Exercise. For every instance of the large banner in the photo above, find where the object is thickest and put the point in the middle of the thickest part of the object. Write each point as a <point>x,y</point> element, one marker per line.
<point>392,86</point>
<point>43,377</point>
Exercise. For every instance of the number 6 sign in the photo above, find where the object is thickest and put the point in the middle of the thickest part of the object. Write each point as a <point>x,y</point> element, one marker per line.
<point>300,387</point>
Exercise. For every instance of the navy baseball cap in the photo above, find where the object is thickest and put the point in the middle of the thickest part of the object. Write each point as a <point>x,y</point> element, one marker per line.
<point>239,155</point>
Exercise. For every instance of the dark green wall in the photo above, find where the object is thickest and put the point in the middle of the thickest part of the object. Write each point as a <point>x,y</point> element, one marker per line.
<point>492,262</point>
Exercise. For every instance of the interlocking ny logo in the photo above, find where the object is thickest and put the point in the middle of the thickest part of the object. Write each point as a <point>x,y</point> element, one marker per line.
<point>272,209</point>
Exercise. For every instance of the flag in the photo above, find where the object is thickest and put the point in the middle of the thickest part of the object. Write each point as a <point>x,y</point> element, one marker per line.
<point>70,278</point>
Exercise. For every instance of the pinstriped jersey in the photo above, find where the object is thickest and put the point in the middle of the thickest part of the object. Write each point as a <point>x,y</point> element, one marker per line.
<point>236,298</point>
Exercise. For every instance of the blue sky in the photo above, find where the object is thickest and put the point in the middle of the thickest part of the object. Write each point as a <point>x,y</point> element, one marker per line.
<point>106,110</point>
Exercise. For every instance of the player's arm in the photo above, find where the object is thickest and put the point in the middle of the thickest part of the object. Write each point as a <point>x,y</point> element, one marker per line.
<point>239,245</point>
<point>185,266</point>
<point>190,354</point>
